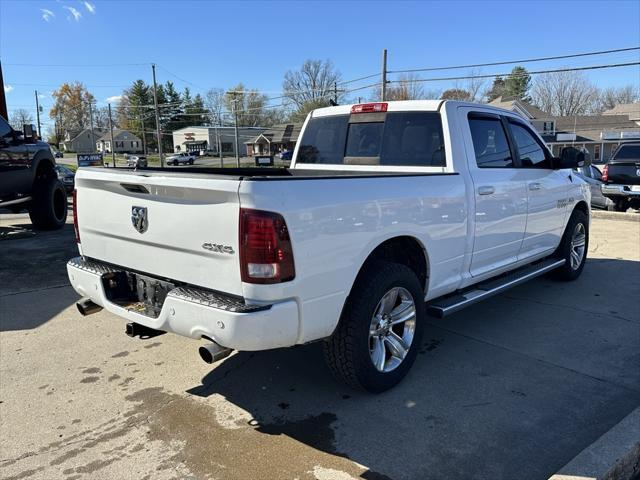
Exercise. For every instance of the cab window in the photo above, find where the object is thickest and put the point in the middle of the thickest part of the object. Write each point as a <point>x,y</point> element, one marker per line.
<point>531,154</point>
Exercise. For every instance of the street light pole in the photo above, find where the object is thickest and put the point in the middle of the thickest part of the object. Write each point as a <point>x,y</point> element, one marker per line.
<point>38,115</point>
<point>384,75</point>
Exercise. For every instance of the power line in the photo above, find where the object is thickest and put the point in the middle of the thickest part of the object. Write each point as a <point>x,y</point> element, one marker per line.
<point>493,75</point>
<point>529,60</point>
<point>77,64</point>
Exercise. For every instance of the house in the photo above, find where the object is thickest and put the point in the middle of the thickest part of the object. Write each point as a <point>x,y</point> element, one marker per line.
<point>632,110</point>
<point>80,141</point>
<point>599,135</point>
<point>274,140</point>
<point>543,122</point>
<point>124,142</point>
<point>213,139</point>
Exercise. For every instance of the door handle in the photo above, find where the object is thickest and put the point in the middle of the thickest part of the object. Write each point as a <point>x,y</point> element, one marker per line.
<point>487,190</point>
<point>535,186</point>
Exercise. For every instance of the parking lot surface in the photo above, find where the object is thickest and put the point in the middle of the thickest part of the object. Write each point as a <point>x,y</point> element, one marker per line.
<point>513,387</point>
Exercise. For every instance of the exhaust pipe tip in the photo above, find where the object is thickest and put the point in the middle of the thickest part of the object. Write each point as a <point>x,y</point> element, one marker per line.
<point>87,307</point>
<point>213,352</point>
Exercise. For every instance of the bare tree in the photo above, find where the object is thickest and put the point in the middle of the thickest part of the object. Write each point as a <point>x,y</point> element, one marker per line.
<point>214,102</point>
<point>250,105</point>
<point>475,86</point>
<point>19,117</point>
<point>456,94</point>
<point>612,96</point>
<point>564,94</point>
<point>314,82</point>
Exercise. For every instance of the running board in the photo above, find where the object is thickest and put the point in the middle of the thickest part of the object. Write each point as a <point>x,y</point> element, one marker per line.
<point>452,303</point>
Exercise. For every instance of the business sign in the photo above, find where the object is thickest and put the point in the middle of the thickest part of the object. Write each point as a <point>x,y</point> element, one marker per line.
<point>90,160</point>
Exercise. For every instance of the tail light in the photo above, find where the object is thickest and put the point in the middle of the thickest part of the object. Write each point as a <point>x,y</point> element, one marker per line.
<point>369,108</point>
<point>605,173</point>
<point>75,215</point>
<point>265,248</point>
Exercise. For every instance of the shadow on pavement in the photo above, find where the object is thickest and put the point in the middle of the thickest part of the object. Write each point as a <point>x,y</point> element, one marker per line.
<point>503,400</point>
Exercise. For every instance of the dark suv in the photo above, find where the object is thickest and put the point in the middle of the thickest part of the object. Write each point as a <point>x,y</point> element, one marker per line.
<point>621,177</point>
<point>28,178</point>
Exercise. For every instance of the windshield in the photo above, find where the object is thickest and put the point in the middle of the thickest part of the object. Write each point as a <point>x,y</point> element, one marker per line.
<point>397,138</point>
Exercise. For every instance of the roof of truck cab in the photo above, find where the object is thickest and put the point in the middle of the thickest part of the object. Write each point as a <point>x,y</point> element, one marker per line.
<point>408,105</point>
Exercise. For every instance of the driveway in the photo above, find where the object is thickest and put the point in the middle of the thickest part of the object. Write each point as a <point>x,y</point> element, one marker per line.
<point>511,388</point>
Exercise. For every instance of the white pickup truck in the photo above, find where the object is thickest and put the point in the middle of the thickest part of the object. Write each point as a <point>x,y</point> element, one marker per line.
<point>390,212</point>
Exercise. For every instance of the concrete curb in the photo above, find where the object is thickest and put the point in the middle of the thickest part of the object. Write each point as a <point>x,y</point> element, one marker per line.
<point>613,456</point>
<point>630,217</point>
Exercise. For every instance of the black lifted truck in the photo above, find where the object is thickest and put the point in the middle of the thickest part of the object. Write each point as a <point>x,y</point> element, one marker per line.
<point>621,177</point>
<point>28,178</point>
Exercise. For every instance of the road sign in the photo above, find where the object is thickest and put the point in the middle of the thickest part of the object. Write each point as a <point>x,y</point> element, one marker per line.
<point>90,160</point>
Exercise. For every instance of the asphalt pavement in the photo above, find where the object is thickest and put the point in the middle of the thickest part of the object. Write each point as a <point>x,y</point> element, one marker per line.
<point>514,387</point>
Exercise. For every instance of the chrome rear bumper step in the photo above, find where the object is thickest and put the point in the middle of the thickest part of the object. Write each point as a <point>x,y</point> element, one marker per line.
<point>452,303</point>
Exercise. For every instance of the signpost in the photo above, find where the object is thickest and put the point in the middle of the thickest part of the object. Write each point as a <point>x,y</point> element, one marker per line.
<point>90,160</point>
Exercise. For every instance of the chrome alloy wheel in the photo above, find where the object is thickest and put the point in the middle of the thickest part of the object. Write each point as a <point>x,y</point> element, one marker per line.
<point>578,243</point>
<point>392,328</point>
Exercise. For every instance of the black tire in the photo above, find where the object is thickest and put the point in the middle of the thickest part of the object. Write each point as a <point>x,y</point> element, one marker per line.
<point>621,205</point>
<point>48,208</point>
<point>347,352</point>
<point>190,162</point>
<point>569,271</point>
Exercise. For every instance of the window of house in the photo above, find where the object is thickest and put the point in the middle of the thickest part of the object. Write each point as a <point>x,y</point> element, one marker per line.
<point>596,153</point>
<point>134,144</point>
<point>227,147</point>
<point>119,144</point>
<point>490,142</point>
<point>530,151</point>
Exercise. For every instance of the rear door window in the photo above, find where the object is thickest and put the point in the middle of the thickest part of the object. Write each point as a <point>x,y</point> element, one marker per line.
<point>395,139</point>
<point>490,142</point>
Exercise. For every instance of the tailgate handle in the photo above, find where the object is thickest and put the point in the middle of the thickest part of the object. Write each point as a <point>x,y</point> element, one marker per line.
<point>134,188</point>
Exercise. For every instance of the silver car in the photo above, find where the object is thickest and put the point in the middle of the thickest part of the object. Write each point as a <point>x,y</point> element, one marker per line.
<point>593,177</point>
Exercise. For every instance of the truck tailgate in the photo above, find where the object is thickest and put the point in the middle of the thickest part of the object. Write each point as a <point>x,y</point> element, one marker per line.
<point>191,229</point>
<point>624,173</point>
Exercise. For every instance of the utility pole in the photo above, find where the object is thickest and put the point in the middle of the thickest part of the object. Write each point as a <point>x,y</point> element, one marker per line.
<point>155,103</point>
<point>335,92</point>
<point>93,140</point>
<point>113,150</point>
<point>384,75</point>
<point>235,128</point>
<point>38,115</point>
<point>144,138</point>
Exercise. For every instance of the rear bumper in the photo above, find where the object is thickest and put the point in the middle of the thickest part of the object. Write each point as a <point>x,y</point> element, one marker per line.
<point>621,190</point>
<point>198,313</point>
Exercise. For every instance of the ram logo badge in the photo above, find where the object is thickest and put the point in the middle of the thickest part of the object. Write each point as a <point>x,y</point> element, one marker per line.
<point>217,248</point>
<point>139,219</point>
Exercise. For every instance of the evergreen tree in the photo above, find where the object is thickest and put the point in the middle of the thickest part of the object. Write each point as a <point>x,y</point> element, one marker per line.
<point>517,84</point>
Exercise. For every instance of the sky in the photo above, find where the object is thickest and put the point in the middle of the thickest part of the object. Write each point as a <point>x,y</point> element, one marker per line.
<point>108,44</point>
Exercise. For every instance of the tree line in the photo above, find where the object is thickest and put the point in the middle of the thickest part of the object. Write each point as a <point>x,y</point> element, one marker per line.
<point>317,83</point>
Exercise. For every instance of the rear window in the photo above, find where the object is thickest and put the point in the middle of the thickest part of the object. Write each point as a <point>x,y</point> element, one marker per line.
<point>398,139</point>
<point>627,152</point>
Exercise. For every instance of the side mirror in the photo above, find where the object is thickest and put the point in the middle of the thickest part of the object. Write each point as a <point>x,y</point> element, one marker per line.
<point>29,133</point>
<point>571,157</point>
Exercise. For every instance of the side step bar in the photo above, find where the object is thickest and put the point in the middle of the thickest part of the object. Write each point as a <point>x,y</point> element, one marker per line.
<point>452,303</point>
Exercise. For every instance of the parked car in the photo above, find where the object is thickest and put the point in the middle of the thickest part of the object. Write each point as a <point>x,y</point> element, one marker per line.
<point>58,154</point>
<point>396,204</point>
<point>621,176</point>
<point>181,158</point>
<point>67,177</point>
<point>591,175</point>
<point>28,177</point>
<point>286,155</point>
<point>136,161</point>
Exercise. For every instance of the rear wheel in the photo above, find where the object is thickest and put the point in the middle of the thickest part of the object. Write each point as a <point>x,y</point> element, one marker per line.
<point>376,341</point>
<point>191,162</point>
<point>48,208</point>
<point>573,247</point>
